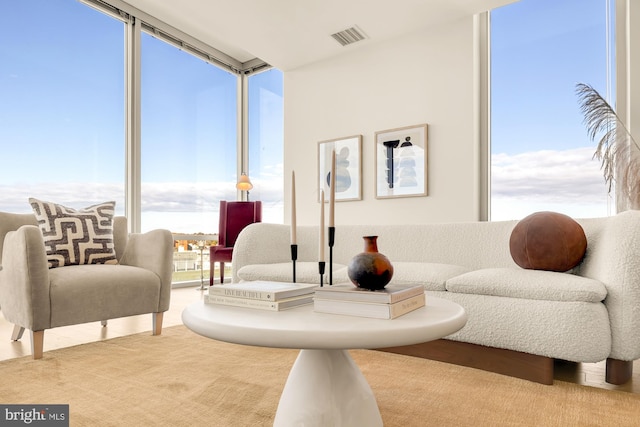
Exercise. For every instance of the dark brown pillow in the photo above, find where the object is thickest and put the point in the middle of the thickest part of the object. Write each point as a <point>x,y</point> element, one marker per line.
<point>548,241</point>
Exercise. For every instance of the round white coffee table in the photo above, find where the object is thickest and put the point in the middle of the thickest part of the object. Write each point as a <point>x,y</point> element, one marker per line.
<point>325,386</point>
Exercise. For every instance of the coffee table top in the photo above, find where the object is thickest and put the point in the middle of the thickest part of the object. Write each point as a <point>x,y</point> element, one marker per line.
<point>302,328</point>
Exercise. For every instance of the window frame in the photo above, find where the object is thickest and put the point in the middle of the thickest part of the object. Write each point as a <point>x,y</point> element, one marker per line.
<point>135,22</point>
<point>627,83</point>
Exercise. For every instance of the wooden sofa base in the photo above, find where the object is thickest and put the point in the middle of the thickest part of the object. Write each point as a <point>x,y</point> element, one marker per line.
<point>507,362</point>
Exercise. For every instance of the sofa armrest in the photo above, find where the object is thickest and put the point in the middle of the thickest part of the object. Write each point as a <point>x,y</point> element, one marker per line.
<point>263,243</point>
<point>152,251</point>
<point>24,279</point>
<point>613,257</point>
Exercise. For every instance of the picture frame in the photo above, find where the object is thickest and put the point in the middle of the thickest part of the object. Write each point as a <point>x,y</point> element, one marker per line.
<point>401,162</point>
<point>348,168</point>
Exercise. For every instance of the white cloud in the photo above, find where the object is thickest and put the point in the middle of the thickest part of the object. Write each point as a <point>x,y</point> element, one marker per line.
<point>14,197</point>
<point>184,207</point>
<point>569,181</point>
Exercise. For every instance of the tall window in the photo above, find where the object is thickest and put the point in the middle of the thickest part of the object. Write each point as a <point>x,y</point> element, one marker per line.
<point>189,139</point>
<point>266,143</point>
<point>61,105</point>
<point>63,129</point>
<point>541,156</point>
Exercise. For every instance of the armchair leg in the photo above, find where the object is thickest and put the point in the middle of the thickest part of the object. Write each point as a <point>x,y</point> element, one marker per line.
<point>17,333</point>
<point>221,273</point>
<point>157,323</point>
<point>37,342</point>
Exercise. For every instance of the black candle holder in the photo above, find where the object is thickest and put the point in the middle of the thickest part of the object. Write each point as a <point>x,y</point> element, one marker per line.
<point>321,265</point>
<point>332,237</point>
<point>294,257</point>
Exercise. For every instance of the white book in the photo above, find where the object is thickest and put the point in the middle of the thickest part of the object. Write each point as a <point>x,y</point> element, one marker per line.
<point>390,294</point>
<point>260,304</point>
<point>262,290</point>
<point>366,309</point>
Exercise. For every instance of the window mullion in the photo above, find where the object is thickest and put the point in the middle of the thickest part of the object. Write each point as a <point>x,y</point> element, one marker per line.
<point>482,118</point>
<point>243,128</point>
<point>133,176</point>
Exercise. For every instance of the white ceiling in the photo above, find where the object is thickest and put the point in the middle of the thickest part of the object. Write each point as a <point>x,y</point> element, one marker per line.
<point>290,33</point>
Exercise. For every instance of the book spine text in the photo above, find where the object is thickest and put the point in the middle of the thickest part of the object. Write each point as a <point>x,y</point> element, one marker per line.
<point>241,302</point>
<point>404,307</point>
<point>240,293</point>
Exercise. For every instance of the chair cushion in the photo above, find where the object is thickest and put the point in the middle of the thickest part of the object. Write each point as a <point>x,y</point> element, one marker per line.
<point>75,237</point>
<point>87,293</point>
<point>528,284</point>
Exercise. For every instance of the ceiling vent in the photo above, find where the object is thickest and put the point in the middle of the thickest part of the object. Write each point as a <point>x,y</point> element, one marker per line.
<point>349,36</point>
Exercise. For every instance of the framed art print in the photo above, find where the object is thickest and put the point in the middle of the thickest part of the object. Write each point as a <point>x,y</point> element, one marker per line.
<point>348,167</point>
<point>401,162</point>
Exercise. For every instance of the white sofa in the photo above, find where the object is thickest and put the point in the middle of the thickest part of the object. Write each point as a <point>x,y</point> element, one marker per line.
<point>519,321</point>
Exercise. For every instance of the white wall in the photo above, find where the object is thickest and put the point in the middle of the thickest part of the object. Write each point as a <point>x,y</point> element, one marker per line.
<point>425,78</point>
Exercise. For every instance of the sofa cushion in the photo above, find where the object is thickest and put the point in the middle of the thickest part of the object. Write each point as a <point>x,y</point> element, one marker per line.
<point>528,284</point>
<point>306,272</point>
<point>76,237</point>
<point>547,241</point>
<point>431,275</point>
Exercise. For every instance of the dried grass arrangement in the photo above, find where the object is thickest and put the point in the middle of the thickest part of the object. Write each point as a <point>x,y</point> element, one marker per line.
<point>617,150</point>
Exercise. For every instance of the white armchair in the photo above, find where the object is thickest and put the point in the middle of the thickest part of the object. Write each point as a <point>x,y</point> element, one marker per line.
<point>35,297</point>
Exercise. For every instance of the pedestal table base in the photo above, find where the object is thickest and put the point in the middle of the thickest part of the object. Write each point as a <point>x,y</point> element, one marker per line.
<point>326,388</point>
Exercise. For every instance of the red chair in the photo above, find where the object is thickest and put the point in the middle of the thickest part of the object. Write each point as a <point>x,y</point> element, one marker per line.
<point>234,216</point>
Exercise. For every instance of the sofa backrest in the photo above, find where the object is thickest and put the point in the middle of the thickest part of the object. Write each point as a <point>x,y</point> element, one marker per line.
<point>473,245</point>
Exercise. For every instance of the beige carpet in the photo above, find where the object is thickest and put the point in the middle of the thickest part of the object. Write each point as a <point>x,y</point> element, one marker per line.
<point>182,379</point>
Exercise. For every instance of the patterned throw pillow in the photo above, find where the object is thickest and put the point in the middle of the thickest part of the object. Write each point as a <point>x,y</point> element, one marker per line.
<point>74,237</point>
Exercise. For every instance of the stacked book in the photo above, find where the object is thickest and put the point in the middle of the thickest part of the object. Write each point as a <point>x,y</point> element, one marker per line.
<point>388,303</point>
<point>262,295</point>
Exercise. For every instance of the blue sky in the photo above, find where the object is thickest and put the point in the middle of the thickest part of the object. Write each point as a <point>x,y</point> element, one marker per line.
<point>542,157</point>
<point>537,60</point>
<point>64,123</point>
<point>44,74</point>
<point>62,130</point>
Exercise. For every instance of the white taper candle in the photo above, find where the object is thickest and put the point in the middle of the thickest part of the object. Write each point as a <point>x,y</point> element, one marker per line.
<point>332,190</point>
<point>293,208</point>
<point>321,245</point>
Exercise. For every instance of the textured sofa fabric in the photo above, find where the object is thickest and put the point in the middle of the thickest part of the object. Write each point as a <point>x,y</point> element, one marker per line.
<point>586,315</point>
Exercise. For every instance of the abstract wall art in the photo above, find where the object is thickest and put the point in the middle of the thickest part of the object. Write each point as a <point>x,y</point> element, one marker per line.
<point>348,167</point>
<point>401,162</point>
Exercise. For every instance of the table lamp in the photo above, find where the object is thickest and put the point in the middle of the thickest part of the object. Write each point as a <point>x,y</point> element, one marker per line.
<point>244,184</point>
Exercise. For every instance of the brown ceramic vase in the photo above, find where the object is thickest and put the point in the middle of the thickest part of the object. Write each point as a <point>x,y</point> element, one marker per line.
<point>370,269</point>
